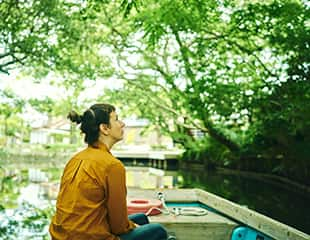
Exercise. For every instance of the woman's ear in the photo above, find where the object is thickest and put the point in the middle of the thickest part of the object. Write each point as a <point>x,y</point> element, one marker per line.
<point>104,128</point>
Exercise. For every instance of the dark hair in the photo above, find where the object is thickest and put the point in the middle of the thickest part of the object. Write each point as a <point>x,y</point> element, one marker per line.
<point>91,119</point>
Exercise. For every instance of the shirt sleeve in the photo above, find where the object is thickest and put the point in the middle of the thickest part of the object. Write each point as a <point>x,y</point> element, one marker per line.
<point>116,200</point>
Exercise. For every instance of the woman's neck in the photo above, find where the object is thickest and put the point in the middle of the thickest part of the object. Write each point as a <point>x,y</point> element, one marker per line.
<point>106,141</point>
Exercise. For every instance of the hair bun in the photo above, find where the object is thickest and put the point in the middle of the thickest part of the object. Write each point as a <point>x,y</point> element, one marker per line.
<point>74,117</point>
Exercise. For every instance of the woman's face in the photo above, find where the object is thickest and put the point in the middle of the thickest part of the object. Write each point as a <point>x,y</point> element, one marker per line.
<point>116,127</point>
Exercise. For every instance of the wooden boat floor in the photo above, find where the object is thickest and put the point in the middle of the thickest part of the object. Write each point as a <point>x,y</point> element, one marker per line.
<point>208,227</point>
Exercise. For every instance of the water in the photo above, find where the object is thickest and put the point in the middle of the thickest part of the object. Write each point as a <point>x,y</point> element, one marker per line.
<point>276,201</point>
<point>279,202</point>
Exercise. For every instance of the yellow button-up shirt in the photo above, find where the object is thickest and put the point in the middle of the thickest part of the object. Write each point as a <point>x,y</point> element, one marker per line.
<point>91,204</point>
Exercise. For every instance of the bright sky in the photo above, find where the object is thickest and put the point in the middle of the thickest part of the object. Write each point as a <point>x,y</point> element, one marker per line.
<point>27,87</point>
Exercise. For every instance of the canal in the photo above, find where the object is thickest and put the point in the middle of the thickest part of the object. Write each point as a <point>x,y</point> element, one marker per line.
<point>278,201</point>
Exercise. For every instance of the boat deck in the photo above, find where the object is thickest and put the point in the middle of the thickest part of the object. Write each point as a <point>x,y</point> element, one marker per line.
<point>211,226</point>
<point>219,223</point>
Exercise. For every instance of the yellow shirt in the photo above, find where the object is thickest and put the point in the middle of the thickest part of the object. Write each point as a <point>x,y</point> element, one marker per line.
<point>91,203</point>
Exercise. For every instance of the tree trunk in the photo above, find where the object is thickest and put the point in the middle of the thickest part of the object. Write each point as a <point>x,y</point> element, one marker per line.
<point>222,138</point>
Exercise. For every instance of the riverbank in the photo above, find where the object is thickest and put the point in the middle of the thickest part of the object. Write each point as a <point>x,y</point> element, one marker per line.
<point>50,159</point>
<point>268,178</point>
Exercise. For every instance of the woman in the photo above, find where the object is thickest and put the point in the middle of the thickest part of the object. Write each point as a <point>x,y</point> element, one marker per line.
<point>91,203</point>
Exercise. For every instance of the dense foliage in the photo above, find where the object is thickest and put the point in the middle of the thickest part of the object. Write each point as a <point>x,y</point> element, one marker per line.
<point>236,72</point>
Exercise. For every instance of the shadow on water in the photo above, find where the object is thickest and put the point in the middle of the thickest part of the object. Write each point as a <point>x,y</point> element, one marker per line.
<point>273,200</point>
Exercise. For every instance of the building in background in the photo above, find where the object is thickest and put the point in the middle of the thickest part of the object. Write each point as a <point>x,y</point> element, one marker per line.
<point>51,132</point>
<point>136,134</point>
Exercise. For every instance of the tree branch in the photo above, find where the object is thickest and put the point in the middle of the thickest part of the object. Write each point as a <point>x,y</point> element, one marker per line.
<point>185,58</point>
<point>251,53</point>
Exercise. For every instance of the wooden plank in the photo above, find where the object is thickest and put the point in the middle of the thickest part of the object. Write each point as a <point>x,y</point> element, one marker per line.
<point>198,231</point>
<point>211,226</point>
<point>266,225</point>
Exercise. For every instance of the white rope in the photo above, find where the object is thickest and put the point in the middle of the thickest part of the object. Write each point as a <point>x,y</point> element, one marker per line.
<point>176,211</point>
<point>189,211</point>
<point>163,211</point>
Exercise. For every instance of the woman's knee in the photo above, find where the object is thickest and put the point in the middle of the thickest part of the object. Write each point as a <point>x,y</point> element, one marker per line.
<point>160,230</point>
<point>139,218</point>
<point>151,231</point>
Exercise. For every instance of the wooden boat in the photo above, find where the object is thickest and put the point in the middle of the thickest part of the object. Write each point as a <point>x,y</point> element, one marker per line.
<point>222,220</point>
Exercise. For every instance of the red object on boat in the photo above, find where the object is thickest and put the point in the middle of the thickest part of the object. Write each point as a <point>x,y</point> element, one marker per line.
<point>148,206</point>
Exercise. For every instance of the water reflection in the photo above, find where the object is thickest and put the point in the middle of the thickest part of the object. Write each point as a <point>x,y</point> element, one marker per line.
<point>150,178</point>
<point>276,201</point>
<point>39,192</point>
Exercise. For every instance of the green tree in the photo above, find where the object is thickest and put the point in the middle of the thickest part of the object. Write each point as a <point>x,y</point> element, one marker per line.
<point>10,105</point>
<point>45,105</point>
<point>222,67</point>
<point>47,36</point>
<point>28,32</point>
<point>210,65</point>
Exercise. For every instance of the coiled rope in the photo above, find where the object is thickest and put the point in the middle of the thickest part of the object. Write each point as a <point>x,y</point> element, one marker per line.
<point>176,211</point>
